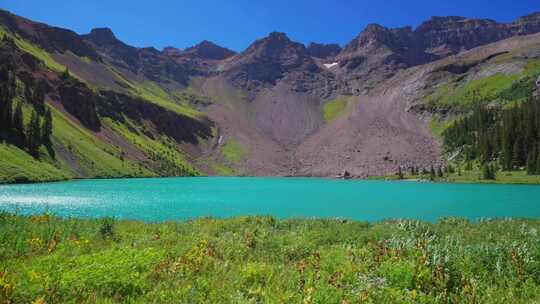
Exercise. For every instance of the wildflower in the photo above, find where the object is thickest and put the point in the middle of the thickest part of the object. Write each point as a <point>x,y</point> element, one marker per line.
<point>40,300</point>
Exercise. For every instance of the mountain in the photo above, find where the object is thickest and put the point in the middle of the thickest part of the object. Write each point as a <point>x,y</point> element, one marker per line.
<point>378,52</point>
<point>276,108</point>
<point>323,51</point>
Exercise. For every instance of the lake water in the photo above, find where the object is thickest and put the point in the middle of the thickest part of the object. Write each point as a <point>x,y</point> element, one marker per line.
<point>183,198</point>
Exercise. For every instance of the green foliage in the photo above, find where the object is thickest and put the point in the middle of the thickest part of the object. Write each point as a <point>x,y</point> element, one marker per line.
<point>166,156</point>
<point>35,51</point>
<point>34,135</point>
<point>106,231</point>
<point>334,108</point>
<point>96,158</point>
<point>19,166</point>
<point>488,171</point>
<point>463,96</point>
<point>233,150</point>
<point>155,94</point>
<point>263,260</point>
<point>510,135</point>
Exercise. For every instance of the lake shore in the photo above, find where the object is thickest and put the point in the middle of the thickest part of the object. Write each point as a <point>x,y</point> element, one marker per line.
<point>472,177</point>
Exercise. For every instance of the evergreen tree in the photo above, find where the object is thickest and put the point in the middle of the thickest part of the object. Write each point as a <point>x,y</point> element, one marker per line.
<point>6,108</point>
<point>18,125</point>
<point>65,74</point>
<point>47,128</point>
<point>34,135</point>
<point>531,162</point>
<point>400,173</point>
<point>38,96</point>
<point>538,161</point>
<point>488,172</point>
<point>440,172</point>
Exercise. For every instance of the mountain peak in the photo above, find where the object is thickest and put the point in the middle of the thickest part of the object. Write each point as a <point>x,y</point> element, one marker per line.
<point>278,36</point>
<point>102,36</point>
<point>209,50</point>
<point>276,44</point>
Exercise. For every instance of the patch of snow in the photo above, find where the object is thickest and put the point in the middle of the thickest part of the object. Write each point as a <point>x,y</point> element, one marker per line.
<point>330,65</point>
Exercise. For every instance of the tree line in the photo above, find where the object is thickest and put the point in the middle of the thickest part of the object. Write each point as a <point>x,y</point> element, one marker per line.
<point>37,132</point>
<point>506,136</point>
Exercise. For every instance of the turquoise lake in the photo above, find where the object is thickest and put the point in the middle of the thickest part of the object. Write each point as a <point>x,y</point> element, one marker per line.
<point>163,199</point>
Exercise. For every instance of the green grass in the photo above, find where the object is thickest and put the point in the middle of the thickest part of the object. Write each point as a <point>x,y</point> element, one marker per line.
<point>155,94</point>
<point>19,166</point>
<point>471,176</point>
<point>465,95</point>
<point>233,151</point>
<point>223,170</point>
<point>264,260</point>
<point>511,177</point>
<point>164,151</point>
<point>437,126</point>
<point>95,157</point>
<point>35,51</point>
<point>334,108</point>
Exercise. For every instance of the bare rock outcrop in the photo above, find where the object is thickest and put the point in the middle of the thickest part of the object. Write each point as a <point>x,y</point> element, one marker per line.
<point>323,51</point>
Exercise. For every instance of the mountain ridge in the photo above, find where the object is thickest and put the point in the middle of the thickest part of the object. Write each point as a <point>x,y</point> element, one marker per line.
<point>277,108</point>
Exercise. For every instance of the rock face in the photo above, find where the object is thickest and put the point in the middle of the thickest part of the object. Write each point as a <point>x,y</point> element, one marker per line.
<point>118,52</point>
<point>378,51</point>
<point>50,38</point>
<point>208,50</point>
<point>323,51</point>
<point>119,106</point>
<point>201,59</point>
<point>149,62</point>
<point>443,36</point>
<point>267,60</point>
<point>80,101</point>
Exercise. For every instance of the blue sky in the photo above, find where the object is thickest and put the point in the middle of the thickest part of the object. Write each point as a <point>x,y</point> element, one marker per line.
<point>237,23</point>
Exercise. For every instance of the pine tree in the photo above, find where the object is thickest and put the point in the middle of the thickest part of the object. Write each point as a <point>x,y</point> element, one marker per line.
<point>516,155</point>
<point>400,173</point>
<point>65,74</point>
<point>47,128</point>
<point>531,162</point>
<point>18,125</point>
<point>537,171</point>
<point>440,172</point>
<point>488,172</point>
<point>6,108</point>
<point>34,135</point>
<point>38,96</point>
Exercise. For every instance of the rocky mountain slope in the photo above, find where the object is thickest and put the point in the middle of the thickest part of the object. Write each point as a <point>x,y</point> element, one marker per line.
<point>276,108</point>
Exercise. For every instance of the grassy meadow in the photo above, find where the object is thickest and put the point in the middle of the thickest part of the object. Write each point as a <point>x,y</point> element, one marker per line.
<point>44,259</point>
